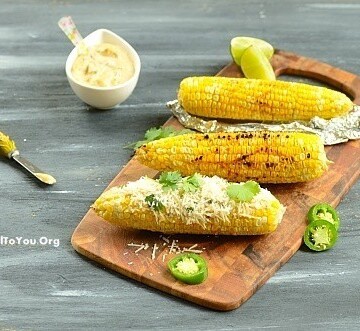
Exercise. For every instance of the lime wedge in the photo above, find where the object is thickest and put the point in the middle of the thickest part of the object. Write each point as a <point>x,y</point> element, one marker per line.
<point>254,64</point>
<point>239,44</point>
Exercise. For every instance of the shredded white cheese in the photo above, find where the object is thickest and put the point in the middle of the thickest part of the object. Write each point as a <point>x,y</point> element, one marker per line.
<point>153,254</point>
<point>209,202</point>
<point>171,248</point>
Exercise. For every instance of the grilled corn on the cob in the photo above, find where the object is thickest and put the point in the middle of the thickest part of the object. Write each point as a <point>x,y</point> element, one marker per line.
<point>144,204</point>
<point>259,100</point>
<point>263,156</point>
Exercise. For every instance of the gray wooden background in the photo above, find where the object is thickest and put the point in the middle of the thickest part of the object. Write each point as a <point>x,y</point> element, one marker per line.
<point>44,287</point>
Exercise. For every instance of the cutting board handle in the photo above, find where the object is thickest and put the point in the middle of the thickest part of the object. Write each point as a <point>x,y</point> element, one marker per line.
<point>286,63</point>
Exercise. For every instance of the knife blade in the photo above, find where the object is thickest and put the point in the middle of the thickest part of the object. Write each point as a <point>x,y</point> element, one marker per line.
<point>34,170</point>
<point>9,150</point>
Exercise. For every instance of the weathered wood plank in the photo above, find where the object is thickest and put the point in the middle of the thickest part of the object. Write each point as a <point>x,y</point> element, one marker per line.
<point>44,287</point>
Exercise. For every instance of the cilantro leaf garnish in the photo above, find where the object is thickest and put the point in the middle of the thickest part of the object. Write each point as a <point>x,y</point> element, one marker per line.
<point>158,133</point>
<point>243,192</point>
<point>154,203</point>
<point>192,183</point>
<point>170,180</point>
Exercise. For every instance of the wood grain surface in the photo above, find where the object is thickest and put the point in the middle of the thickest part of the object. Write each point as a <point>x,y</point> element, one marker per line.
<point>52,287</point>
<point>240,265</point>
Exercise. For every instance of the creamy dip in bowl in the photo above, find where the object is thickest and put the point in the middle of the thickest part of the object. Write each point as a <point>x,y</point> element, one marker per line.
<point>104,71</point>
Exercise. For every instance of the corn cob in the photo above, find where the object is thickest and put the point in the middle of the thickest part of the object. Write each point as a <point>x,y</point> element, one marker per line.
<point>207,210</point>
<point>263,156</point>
<point>259,100</point>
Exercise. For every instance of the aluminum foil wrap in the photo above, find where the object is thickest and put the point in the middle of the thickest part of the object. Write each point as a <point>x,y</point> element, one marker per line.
<point>334,131</point>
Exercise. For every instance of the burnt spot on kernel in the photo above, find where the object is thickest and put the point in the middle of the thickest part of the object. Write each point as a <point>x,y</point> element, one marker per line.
<point>247,135</point>
<point>242,158</point>
<point>266,136</point>
<point>198,158</point>
<point>269,165</point>
<point>206,136</point>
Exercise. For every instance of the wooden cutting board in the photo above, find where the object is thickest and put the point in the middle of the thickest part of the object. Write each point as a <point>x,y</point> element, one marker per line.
<point>238,266</point>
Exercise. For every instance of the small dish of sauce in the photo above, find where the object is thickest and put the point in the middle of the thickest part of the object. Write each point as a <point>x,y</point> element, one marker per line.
<point>103,69</point>
<point>103,65</point>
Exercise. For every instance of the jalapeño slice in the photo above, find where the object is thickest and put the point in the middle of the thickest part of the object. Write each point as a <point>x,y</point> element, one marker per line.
<point>190,268</point>
<point>320,235</point>
<point>325,212</point>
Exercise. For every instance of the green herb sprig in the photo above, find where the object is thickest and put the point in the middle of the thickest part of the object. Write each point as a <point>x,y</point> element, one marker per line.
<point>173,180</point>
<point>243,192</point>
<point>154,203</point>
<point>170,180</point>
<point>158,133</point>
<point>192,183</point>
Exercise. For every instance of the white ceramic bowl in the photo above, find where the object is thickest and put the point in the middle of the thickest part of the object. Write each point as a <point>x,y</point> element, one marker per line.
<point>104,97</point>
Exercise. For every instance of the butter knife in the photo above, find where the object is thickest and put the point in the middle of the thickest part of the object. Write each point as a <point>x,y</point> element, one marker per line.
<point>9,150</point>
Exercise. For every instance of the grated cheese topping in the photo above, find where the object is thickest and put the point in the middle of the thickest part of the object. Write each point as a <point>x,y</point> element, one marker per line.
<point>209,202</point>
<point>171,247</point>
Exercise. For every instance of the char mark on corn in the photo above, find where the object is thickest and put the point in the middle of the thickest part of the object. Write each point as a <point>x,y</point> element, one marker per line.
<point>263,156</point>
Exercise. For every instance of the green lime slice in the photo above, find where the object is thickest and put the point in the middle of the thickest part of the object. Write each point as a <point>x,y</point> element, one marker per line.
<point>239,44</point>
<point>254,64</point>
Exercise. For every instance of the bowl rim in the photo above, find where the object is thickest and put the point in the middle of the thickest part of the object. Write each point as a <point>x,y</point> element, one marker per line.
<point>135,57</point>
